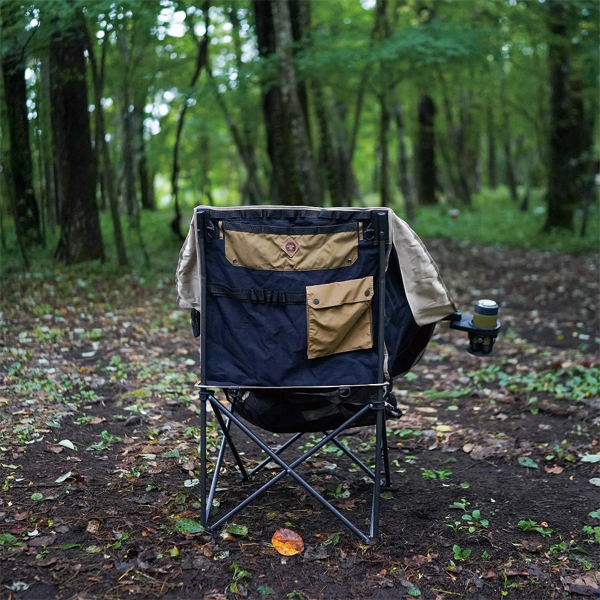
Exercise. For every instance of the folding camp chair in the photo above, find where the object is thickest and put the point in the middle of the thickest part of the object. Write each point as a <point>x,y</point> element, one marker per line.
<point>304,316</point>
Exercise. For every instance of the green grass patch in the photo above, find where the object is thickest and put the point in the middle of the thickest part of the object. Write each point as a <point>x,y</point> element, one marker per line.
<point>495,219</point>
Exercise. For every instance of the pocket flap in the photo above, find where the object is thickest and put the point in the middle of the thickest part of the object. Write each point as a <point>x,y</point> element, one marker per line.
<point>341,292</point>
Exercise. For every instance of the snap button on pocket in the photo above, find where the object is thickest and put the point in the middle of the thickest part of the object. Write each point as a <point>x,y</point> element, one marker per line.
<point>316,301</point>
<point>367,292</point>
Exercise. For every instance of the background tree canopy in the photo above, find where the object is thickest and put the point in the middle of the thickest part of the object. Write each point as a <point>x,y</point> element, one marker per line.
<point>121,106</point>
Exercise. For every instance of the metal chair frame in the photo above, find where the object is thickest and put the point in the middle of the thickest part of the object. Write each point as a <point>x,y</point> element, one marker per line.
<point>225,416</point>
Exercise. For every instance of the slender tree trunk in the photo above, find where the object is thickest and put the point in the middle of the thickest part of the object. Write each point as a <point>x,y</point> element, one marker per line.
<point>457,137</point>
<point>49,156</point>
<point>201,62</point>
<point>492,176</point>
<point>403,178</point>
<point>103,150</point>
<point>80,237</point>
<point>561,195</point>
<point>510,176</point>
<point>244,137</point>
<point>426,169</point>
<point>128,135</point>
<point>305,173</point>
<point>327,149</point>
<point>293,177</point>
<point>384,160</point>
<point>347,178</point>
<point>25,209</point>
<point>142,161</point>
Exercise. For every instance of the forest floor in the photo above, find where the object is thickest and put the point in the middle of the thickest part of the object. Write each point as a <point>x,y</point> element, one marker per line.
<point>495,462</point>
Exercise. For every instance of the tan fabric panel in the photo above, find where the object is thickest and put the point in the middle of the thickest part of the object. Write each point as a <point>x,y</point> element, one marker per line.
<point>266,251</point>
<point>339,317</point>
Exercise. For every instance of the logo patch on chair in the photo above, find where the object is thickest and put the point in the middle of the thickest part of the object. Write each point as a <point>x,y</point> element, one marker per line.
<point>290,247</point>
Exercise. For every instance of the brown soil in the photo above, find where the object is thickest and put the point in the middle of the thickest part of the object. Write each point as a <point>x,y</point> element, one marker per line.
<point>79,353</point>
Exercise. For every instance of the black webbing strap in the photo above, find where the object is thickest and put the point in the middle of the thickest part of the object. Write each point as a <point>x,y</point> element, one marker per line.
<point>258,296</point>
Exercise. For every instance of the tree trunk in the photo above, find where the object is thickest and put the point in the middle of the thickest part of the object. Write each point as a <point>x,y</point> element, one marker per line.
<point>457,136</point>
<point>425,163</point>
<point>25,209</point>
<point>347,178</point>
<point>328,163</point>
<point>403,177</point>
<point>305,173</point>
<point>80,236</point>
<point>103,151</point>
<point>128,135</point>
<point>49,157</point>
<point>244,137</point>
<point>142,163</point>
<point>293,176</point>
<point>510,176</point>
<point>492,176</point>
<point>561,195</point>
<point>201,62</point>
<point>384,160</point>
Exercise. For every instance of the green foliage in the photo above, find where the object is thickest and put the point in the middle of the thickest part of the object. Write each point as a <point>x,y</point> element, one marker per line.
<point>571,383</point>
<point>530,525</point>
<point>460,553</point>
<point>494,219</point>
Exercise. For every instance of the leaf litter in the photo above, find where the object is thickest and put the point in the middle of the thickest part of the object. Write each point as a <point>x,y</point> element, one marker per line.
<point>131,396</point>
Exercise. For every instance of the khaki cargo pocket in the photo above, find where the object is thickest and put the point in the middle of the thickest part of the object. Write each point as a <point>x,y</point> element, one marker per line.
<point>339,317</point>
<point>270,248</point>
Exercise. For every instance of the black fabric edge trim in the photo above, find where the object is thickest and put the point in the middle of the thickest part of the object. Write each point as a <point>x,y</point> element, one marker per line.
<point>293,230</point>
<point>257,215</point>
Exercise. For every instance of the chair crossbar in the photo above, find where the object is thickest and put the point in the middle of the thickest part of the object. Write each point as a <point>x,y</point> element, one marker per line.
<point>279,450</point>
<point>289,469</point>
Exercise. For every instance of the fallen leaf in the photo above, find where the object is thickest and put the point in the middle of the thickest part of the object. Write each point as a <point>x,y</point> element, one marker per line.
<point>63,477</point>
<point>42,540</point>
<point>527,462</point>
<point>591,458</point>
<point>93,526</point>
<point>584,585</point>
<point>468,448</point>
<point>555,470</point>
<point>188,526</point>
<point>67,444</point>
<point>97,420</point>
<point>595,481</point>
<point>482,452</point>
<point>240,530</point>
<point>443,428</point>
<point>287,542</point>
<point>531,545</point>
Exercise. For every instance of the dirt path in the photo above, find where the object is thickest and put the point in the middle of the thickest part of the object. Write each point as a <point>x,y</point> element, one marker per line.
<point>492,460</point>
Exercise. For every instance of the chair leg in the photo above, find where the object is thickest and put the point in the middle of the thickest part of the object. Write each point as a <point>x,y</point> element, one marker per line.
<point>216,472</point>
<point>288,469</point>
<point>203,396</point>
<point>386,457</point>
<point>236,456</point>
<point>379,435</point>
